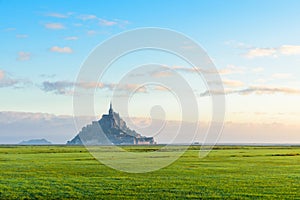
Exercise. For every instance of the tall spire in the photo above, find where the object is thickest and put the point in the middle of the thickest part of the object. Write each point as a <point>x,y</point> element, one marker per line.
<point>110,112</point>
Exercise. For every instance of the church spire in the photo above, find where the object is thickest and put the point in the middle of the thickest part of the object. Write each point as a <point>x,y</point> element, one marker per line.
<point>110,112</point>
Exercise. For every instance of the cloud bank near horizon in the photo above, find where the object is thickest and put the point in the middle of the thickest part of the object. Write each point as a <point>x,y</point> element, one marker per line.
<point>18,126</point>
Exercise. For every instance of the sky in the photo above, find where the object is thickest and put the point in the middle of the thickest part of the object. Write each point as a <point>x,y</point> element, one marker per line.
<point>254,45</point>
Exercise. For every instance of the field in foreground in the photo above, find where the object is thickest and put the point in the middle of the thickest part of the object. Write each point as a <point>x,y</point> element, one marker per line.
<point>62,172</point>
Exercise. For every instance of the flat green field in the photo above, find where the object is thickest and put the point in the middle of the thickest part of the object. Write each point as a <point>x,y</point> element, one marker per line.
<point>228,172</point>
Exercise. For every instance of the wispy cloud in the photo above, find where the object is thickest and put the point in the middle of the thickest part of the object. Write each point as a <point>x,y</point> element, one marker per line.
<point>260,90</point>
<point>7,81</point>
<point>71,38</point>
<point>10,29</point>
<point>159,74</point>
<point>122,23</point>
<point>274,77</point>
<point>290,49</point>
<point>87,17</point>
<point>274,52</point>
<point>104,22</point>
<point>58,15</point>
<point>232,83</point>
<point>91,32</point>
<point>21,36</point>
<point>113,86</point>
<point>237,44</point>
<point>77,24</point>
<point>269,90</point>
<point>58,87</point>
<point>23,56</point>
<point>54,26</point>
<point>261,52</point>
<point>67,87</point>
<point>47,75</point>
<point>61,49</point>
<point>60,128</point>
<point>18,126</point>
<point>160,88</point>
<point>230,69</point>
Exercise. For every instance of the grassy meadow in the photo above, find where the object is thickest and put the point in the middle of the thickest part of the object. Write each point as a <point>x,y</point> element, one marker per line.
<point>228,172</point>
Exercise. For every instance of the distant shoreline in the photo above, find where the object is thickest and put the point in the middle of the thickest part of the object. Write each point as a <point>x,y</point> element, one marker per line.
<point>221,144</point>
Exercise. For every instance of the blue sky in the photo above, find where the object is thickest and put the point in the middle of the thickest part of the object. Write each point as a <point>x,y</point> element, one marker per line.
<point>254,44</point>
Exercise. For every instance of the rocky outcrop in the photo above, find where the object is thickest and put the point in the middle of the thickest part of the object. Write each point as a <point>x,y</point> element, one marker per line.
<point>111,129</point>
<point>35,142</point>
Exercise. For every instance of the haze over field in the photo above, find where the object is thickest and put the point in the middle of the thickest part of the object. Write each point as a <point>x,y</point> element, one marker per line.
<point>254,45</point>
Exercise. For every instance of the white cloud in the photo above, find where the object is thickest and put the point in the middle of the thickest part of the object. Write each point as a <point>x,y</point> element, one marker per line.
<point>274,52</point>
<point>104,22</point>
<point>260,90</point>
<point>281,76</point>
<point>18,126</point>
<point>58,87</point>
<point>48,75</point>
<point>54,26</point>
<point>22,56</point>
<point>290,50</point>
<point>237,44</point>
<point>7,81</point>
<point>87,17</point>
<point>261,52</point>
<point>275,76</point>
<point>91,32</point>
<point>77,24</point>
<point>231,69</point>
<point>162,74</point>
<point>122,23</point>
<point>21,36</point>
<point>71,38</point>
<point>67,87</point>
<point>58,15</point>
<point>161,88</point>
<point>61,49</point>
<point>232,83</point>
<point>10,29</point>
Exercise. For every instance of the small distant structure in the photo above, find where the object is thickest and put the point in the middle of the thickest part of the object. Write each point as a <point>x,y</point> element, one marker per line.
<point>115,130</point>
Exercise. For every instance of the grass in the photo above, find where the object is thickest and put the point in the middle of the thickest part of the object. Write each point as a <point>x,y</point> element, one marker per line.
<point>228,172</point>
